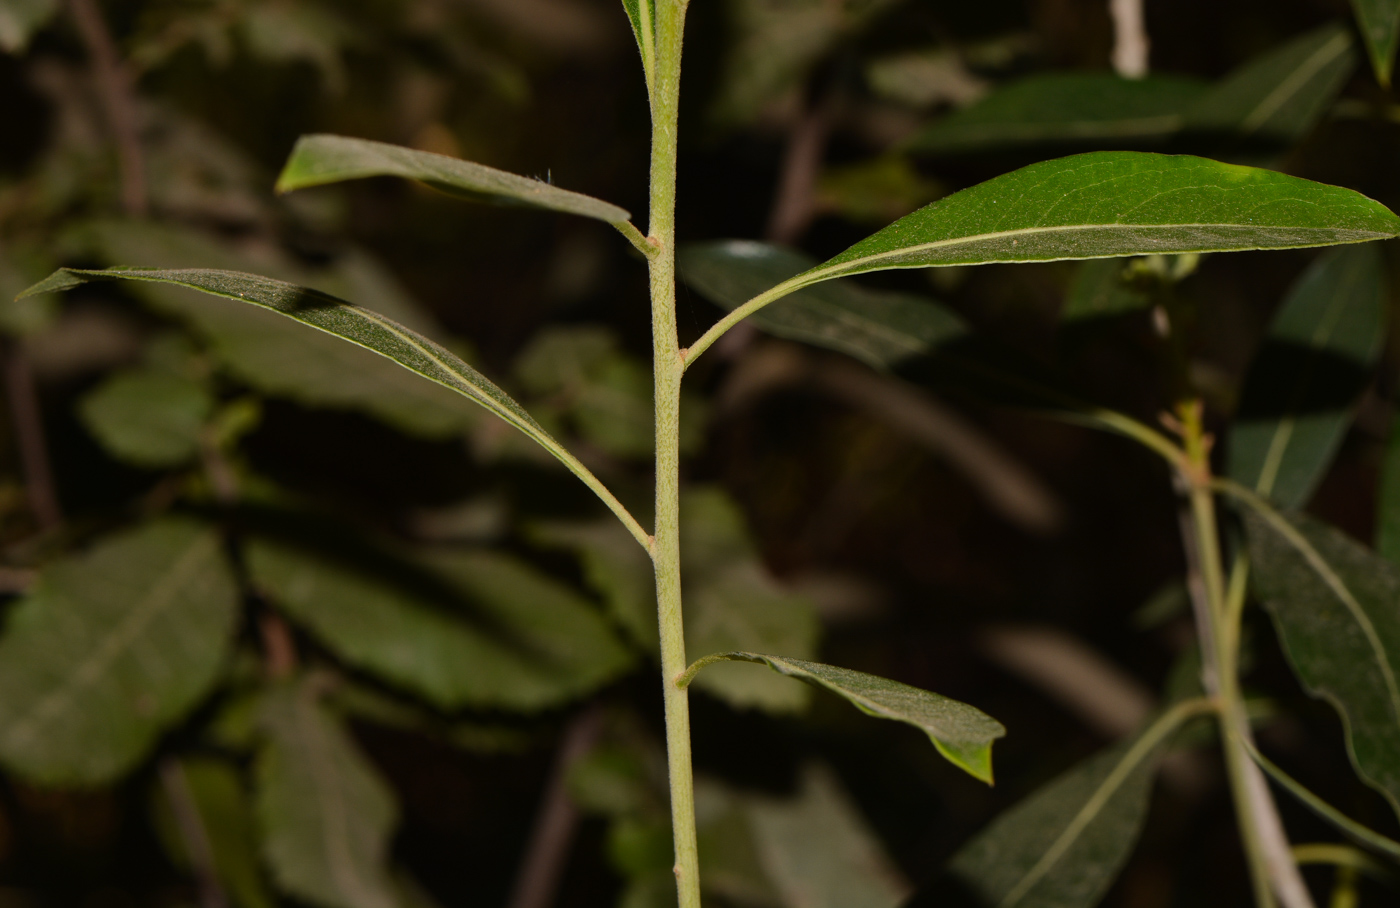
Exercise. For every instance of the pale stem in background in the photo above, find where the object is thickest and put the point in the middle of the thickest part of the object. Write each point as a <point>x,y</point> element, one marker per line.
<point>1130,41</point>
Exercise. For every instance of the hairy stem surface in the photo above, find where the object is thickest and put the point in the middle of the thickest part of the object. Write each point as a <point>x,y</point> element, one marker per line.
<point>668,368</point>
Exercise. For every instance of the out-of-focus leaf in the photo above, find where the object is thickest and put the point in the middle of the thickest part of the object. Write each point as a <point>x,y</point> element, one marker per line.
<point>477,630</point>
<point>1100,289</point>
<point>1301,391</point>
<point>818,851</point>
<point>109,648</point>
<point>300,32</point>
<point>1063,845</point>
<point>924,78</point>
<point>876,191</point>
<point>18,269</point>
<point>148,418</point>
<point>614,566</point>
<point>365,704</point>
<point>1114,203</point>
<point>325,814</point>
<point>879,328</point>
<point>774,44</point>
<point>961,733</point>
<point>280,358</point>
<point>732,603</point>
<point>320,159</point>
<point>1064,107</point>
<point>20,19</point>
<point>1333,603</point>
<point>223,808</point>
<point>361,327</point>
<point>1379,21</point>
<point>1388,505</point>
<point>1279,96</point>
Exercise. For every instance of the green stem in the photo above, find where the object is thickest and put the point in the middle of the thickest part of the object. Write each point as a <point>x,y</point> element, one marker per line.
<point>668,367</point>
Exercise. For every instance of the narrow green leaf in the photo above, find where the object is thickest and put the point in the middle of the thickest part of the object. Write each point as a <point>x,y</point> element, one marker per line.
<point>1115,203</point>
<point>1064,845</point>
<point>1280,95</point>
<point>1333,603</point>
<point>1064,107</point>
<point>641,14</point>
<point>961,733</point>
<point>321,159</point>
<point>148,418</point>
<point>111,647</point>
<point>878,328</point>
<point>1301,391</point>
<point>20,19</point>
<point>1388,503</point>
<point>224,811</point>
<point>818,850</point>
<point>363,328</point>
<point>325,814</point>
<point>1379,21</point>
<point>468,629</point>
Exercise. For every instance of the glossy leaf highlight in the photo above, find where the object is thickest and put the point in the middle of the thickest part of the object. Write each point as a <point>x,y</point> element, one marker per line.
<point>317,160</point>
<point>961,733</point>
<point>1333,602</point>
<point>1302,390</point>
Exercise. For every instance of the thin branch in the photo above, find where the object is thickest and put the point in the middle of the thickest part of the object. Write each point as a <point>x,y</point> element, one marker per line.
<point>193,834</point>
<point>557,819</point>
<point>795,202</point>
<point>116,89</point>
<point>29,431</point>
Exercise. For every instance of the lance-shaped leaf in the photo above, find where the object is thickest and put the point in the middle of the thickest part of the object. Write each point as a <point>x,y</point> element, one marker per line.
<point>1302,389</point>
<point>1109,203</point>
<point>1065,107</point>
<point>1333,602</point>
<point>1379,21</point>
<point>879,328</point>
<point>363,328</point>
<point>473,629</point>
<point>325,814</point>
<point>320,159</point>
<point>1063,845</point>
<point>641,14</point>
<point>111,647</point>
<point>961,733</point>
<point>1278,96</point>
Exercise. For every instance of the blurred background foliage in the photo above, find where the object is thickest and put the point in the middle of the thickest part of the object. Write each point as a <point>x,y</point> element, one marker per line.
<point>290,626</point>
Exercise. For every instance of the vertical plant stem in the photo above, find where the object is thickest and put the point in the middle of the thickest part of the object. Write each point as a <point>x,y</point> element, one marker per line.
<point>28,423</point>
<point>1273,873</point>
<point>115,88</point>
<point>668,367</point>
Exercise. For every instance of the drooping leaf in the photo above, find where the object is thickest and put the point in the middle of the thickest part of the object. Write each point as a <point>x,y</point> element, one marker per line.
<point>1388,505</point>
<point>361,327</point>
<point>20,19</point>
<point>222,807</point>
<point>732,602</point>
<point>1100,290</point>
<point>321,159</point>
<point>324,812</point>
<point>111,647</point>
<point>476,630</point>
<point>961,733</point>
<point>817,850</point>
<point>1064,108</point>
<point>1301,391</point>
<point>1064,844</point>
<point>879,328</point>
<point>1280,95</point>
<point>278,357</point>
<point>1379,21</point>
<point>148,418</point>
<point>1333,603</point>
